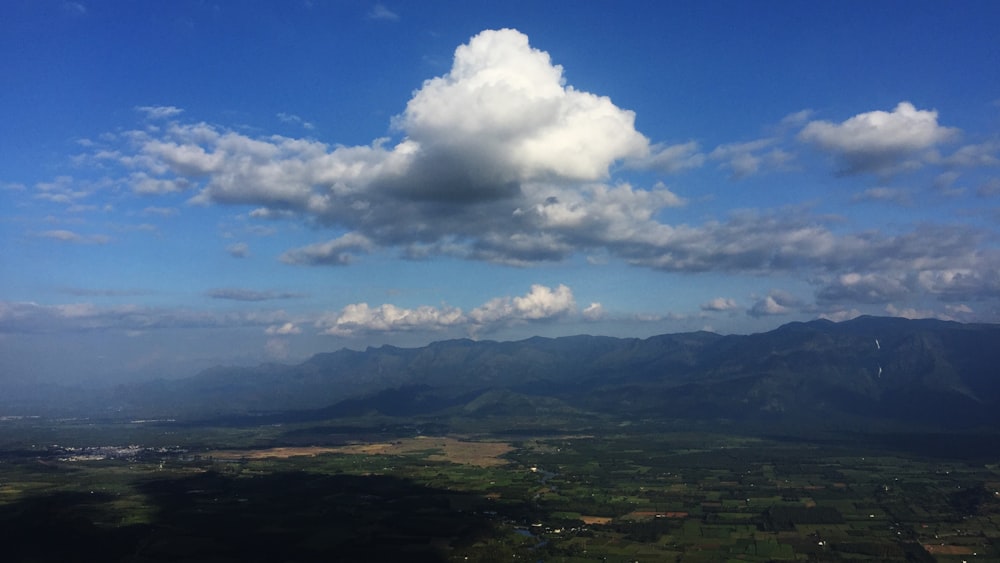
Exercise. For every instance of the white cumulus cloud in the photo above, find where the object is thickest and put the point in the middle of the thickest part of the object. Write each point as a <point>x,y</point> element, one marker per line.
<point>777,302</point>
<point>500,132</point>
<point>361,318</point>
<point>540,303</point>
<point>878,141</point>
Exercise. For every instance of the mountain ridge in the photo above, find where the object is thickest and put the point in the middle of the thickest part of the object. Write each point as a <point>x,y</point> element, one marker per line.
<point>867,368</point>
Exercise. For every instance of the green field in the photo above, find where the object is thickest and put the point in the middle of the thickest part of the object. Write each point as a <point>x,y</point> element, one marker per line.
<point>162,491</point>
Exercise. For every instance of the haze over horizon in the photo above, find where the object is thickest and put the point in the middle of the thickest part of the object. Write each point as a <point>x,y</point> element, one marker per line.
<point>195,183</point>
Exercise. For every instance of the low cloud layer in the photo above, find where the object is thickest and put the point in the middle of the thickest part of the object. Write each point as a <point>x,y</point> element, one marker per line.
<point>539,304</point>
<point>28,318</point>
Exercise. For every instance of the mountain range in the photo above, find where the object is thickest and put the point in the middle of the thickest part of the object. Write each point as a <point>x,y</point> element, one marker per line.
<point>865,371</point>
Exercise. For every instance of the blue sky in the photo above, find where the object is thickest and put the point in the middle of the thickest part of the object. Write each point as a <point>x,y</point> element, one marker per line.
<point>190,183</point>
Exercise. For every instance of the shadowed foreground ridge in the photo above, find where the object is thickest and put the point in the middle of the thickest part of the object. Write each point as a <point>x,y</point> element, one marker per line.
<point>290,516</point>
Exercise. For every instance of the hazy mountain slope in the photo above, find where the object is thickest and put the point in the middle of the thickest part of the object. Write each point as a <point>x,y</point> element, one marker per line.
<point>867,368</point>
<point>918,371</point>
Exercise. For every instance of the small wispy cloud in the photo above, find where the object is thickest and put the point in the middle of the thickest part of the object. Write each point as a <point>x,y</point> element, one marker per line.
<point>160,211</point>
<point>92,292</point>
<point>797,118</point>
<point>989,188</point>
<point>594,312</point>
<point>63,235</point>
<point>883,194</point>
<point>285,329</point>
<point>238,250</point>
<point>75,8</point>
<point>720,304</point>
<point>159,112</point>
<point>291,118</point>
<point>380,12</point>
<point>749,158</point>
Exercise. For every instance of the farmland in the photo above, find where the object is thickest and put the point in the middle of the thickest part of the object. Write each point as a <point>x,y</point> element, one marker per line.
<point>164,491</point>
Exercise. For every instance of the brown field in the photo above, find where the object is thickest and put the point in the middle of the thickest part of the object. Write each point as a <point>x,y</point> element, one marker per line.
<point>480,454</point>
<point>948,549</point>
<point>234,455</point>
<point>590,520</point>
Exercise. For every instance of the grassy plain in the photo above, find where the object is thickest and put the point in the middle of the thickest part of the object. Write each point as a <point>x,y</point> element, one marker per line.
<point>384,490</point>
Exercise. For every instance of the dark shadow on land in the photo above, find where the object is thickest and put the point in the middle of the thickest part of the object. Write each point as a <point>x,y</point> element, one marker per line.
<point>62,526</point>
<point>291,516</point>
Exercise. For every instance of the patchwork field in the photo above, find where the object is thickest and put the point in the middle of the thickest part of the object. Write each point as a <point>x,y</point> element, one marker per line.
<point>666,496</point>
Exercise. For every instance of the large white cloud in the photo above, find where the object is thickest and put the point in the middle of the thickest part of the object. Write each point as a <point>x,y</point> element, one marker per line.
<point>501,117</point>
<point>506,103</point>
<point>879,141</point>
<point>498,135</point>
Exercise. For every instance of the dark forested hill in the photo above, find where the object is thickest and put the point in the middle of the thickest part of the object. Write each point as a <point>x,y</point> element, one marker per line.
<point>930,372</point>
